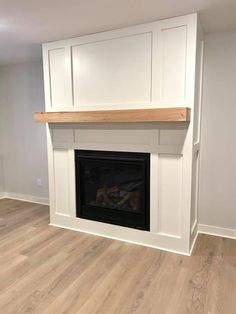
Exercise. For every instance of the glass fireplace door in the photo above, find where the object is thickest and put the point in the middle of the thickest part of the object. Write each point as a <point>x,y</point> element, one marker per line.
<point>113,187</point>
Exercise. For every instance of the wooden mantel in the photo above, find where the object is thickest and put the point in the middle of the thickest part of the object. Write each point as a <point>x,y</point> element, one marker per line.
<point>116,116</point>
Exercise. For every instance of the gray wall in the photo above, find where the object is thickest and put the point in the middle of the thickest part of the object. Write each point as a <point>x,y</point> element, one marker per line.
<point>217,204</point>
<point>24,147</point>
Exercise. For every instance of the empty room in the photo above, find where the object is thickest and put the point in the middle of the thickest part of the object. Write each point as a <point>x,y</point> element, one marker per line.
<point>117,156</point>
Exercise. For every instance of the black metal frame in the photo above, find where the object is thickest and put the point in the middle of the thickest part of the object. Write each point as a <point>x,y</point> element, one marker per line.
<point>114,216</point>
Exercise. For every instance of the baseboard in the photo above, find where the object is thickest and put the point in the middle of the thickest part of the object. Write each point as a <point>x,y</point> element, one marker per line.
<point>26,198</point>
<point>2,195</point>
<point>217,231</point>
<point>122,240</point>
<point>194,235</point>
<point>205,229</point>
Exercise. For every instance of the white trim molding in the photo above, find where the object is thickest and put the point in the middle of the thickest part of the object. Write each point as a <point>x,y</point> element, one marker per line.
<point>25,198</point>
<point>193,243</point>
<point>217,231</point>
<point>2,195</point>
<point>159,247</point>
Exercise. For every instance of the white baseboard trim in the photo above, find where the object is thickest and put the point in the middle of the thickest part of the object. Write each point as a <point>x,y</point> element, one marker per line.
<point>120,239</point>
<point>217,231</point>
<point>26,198</point>
<point>194,242</point>
<point>2,195</point>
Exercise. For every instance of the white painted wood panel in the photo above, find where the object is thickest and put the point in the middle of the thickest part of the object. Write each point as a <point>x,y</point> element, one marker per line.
<point>173,137</point>
<point>119,136</point>
<point>170,194</point>
<point>164,52</point>
<point>154,163</point>
<point>62,135</point>
<point>61,178</point>
<point>173,43</point>
<point>195,188</point>
<point>114,71</point>
<point>149,65</point>
<point>59,67</point>
<point>198,91</point>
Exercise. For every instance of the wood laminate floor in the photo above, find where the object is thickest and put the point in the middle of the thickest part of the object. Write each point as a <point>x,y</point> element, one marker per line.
<point>44,269</point>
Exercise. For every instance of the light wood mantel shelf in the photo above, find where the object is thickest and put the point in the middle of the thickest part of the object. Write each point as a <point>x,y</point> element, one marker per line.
<point>116,116</point>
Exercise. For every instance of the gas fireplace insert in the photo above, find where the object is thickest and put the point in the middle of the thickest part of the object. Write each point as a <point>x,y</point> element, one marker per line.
<point>113,187</point>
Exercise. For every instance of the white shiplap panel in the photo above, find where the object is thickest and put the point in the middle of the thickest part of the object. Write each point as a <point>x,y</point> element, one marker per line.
<point>170,194</point>
<point>114,71</point>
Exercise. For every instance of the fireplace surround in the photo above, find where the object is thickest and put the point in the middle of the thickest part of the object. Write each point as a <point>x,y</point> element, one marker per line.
<point>113,187</point>
<point>119,91</point>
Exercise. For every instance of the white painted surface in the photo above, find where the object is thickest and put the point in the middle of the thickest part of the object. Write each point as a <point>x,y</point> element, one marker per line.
<point>172,136</point>
<point>173,63</point>
<point>26,24</point>
<point>170,145</point>
<point>196,134</point>
<point>119,233</point>
<point>195,191</point>
<point>26,198</point>
<point>62,135</point>
<point>57,61</point>
<point>166,174</point>
<point>170,190</point>
<point>146,66</point>
<point>61,177</point>
<point>217,205</point>
<point>120,136</point>
<point>2,134</point>
<point>217,231</point>
<point>113,71</point>
<point>24,150</point>
<point>198,86</point>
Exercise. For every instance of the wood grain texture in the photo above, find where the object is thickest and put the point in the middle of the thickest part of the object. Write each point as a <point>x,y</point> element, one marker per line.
<point>44,269</point>
<point>116,116</point>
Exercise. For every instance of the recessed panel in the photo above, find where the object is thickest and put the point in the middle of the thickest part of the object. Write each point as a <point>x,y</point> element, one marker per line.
<point>170,194</point>
<point>173,63</point>
<point>57,64</point>
<point>61,177</point>
<point>115,71</point>
<point>173,137</point>
<point>195,185</point>
<point>62,135</point>
<point>113,136</point>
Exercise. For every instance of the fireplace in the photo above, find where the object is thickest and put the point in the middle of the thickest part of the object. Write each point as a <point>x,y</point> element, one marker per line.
<point>113,187</point>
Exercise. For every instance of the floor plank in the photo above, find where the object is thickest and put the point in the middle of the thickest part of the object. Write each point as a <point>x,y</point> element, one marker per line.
<point>44,269</point>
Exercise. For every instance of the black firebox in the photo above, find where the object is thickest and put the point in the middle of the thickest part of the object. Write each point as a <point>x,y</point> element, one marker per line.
<point>113,187</point>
